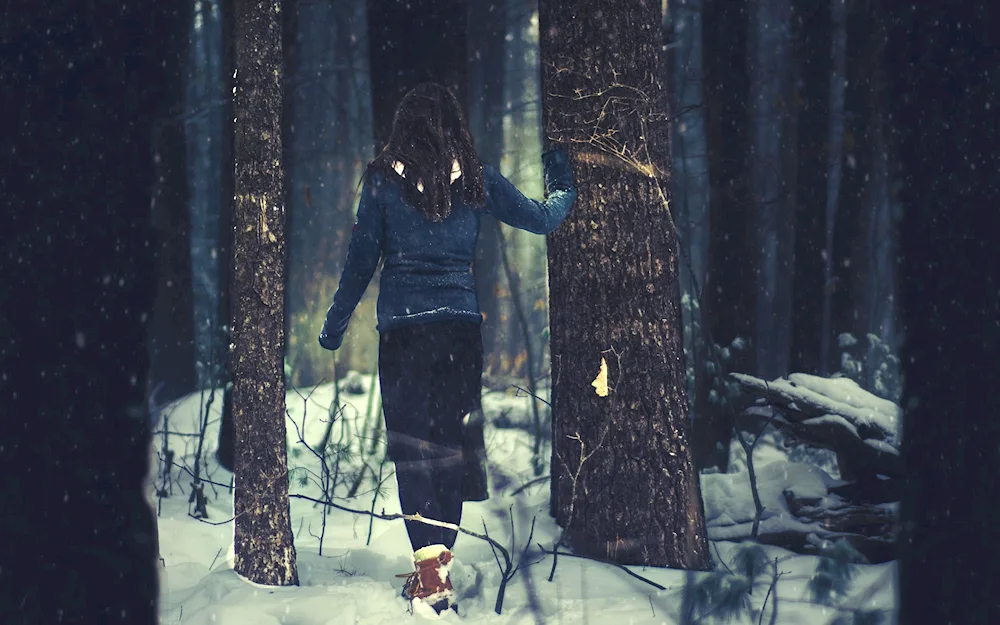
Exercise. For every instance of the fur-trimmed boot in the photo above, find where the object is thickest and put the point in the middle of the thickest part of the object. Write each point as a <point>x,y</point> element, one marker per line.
<point>430,584</point>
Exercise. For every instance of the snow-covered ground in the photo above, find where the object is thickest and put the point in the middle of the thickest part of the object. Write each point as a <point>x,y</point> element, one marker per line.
<point>353,581</point>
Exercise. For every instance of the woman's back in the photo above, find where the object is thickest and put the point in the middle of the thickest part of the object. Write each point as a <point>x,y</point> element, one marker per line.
<point>427,274</point>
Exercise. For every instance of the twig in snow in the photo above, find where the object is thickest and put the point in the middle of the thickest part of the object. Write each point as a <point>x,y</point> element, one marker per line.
<point>770,589</point>
<point>524,486</point>
<point>217,554</point>
<point>530,394</point>
<point>555,552</point>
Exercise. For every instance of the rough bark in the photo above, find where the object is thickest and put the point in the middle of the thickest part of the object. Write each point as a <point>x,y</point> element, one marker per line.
<point>81,95</point>
<point>265,553</point>
<point>623,479</point>
<point>949,559</point>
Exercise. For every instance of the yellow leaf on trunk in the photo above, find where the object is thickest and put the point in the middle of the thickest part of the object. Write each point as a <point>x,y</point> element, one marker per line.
<point>601,382</point>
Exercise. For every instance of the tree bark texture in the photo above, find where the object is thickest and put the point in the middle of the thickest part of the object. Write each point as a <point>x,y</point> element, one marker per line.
<point>623,480</point>
<point>949,558</point>
<point>265,553</point>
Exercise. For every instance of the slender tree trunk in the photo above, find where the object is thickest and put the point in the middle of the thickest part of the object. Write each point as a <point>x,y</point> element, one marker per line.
<point>691,199</point>
<point>623,480</point>
<point>205,129</point>
<point>770,100</point>
<point>811,37</point>
<point>949,558</point>
<point>882,236</point>
<point>265,553</point>
<point>172,344</point>
<point>727,299</point>
<point>835,156</point>
<point>486,107</point>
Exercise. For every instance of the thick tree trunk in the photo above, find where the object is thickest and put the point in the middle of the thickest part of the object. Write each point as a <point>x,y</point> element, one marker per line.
<point>949,559</point>
<point>770,102</point>
<point>623,479</point>
<point>486,107</point>
<point>265,553</point>
<point>81,96</point>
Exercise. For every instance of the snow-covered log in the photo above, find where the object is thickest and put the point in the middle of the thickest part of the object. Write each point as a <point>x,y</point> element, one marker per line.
<point>833,413</point>
<point>801,503</point>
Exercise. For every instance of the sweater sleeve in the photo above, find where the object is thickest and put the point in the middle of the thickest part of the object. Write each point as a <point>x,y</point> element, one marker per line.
<point>363,254</point>
<point>509,205</point>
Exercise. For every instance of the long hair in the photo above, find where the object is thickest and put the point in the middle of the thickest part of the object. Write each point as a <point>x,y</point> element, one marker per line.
<point>428,133</point>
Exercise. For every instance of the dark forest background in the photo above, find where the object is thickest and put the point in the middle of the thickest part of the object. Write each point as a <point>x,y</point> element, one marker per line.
<point>835,172</point>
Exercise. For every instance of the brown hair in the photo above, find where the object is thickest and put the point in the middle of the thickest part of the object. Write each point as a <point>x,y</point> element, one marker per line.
<point>428,133</point>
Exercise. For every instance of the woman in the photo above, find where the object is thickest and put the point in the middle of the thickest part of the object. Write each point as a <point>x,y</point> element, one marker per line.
<point>419,211</point>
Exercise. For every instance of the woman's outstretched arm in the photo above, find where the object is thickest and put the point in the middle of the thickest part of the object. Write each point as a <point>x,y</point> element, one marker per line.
<point>509,205</point>
<point>363,255</point>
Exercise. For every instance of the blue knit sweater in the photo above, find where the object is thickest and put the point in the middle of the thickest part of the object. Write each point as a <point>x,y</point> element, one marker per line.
<point>427,274</point>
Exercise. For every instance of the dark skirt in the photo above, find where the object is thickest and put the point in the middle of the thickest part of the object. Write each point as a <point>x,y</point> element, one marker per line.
<point>431,380</point>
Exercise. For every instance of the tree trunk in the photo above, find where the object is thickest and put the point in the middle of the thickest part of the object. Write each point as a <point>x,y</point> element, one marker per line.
<point>623,479</point>
<point>486,108</point>
<point>726,296</point>
<point>691,197</point>
<point>881,234</point>
<point>205,125</point>
<point>949,559</point>
<point>835,160</point>
<point>770,102</point>
<point>265,553</point>
<point>82,95</point>
<point>812,41</point>
<point>172,340</point>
